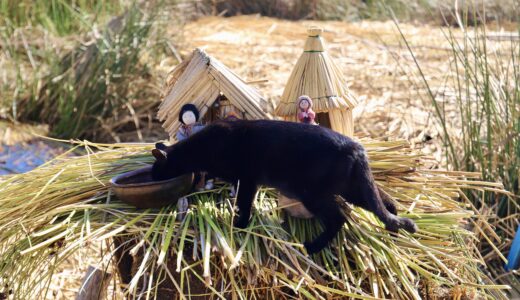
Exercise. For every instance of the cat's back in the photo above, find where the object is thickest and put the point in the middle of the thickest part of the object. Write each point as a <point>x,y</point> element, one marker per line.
<point>283,134</point>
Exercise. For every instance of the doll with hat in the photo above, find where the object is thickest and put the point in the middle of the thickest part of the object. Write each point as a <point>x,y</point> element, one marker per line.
<point>305,113</point>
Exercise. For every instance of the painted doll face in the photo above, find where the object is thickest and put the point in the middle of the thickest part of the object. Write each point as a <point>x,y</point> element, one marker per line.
<point>304,104</point>
<point>188,117</point>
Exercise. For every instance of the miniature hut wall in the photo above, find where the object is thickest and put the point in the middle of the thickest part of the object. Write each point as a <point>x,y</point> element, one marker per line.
<point>316,75</point>
<point>200,80</point>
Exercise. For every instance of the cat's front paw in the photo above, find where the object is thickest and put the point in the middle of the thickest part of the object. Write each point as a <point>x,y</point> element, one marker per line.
<point>241,223</point>
<point>313,247</point>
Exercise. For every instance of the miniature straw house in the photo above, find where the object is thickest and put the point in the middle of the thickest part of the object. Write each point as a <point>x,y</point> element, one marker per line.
<point>212,87</point>
<point>316,75</point>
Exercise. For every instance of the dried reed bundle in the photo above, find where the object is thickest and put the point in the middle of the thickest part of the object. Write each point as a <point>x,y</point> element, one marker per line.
<point>199,80</point>
<point>54,211</point>
<point>316,75</point>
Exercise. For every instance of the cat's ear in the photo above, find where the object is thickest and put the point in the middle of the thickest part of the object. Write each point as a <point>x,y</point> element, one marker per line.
<point>159,155</point>
<point>160,146</point>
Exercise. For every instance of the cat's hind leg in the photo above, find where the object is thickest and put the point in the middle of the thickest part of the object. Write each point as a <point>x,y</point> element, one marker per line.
<point>364,193</point>
<point>331,215</point>
<point>371,201</point>
<point>387,201</point>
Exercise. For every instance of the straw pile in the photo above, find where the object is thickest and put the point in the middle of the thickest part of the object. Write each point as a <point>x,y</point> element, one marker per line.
<point>316,75</point>
<point>52,212</point>
<point>199,80</point>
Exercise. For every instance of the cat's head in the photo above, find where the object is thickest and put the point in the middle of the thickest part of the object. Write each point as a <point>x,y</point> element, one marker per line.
<point>164,166</point>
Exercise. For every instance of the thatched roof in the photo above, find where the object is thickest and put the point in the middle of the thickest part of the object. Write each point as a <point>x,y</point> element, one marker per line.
<point>316,75</point>
<point>199,80</point>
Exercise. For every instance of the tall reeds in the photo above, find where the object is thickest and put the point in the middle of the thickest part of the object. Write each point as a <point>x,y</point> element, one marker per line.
<point>97,89</point>
<point>96,83</point>
<point>483,86</point>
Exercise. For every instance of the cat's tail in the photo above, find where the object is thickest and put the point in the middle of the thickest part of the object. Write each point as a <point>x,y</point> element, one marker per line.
<point>361,190</point>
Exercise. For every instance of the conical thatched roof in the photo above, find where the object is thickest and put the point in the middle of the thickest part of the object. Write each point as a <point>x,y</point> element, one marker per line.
<point>199,80</point>
<point>316,75</point>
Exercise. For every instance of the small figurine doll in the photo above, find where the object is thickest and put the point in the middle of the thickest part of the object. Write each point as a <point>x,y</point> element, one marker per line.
<point>189,117</point>
<point>305,113</point>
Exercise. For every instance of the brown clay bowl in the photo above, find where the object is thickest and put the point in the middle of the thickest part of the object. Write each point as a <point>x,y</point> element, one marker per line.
<point>137,188</point>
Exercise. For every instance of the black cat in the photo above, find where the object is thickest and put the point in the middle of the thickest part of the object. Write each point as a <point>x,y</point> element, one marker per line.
<point>306,162</point>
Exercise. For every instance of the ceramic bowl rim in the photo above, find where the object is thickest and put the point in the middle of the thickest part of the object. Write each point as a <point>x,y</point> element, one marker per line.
<point>114,180</point>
